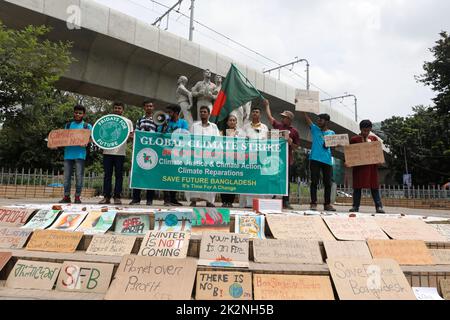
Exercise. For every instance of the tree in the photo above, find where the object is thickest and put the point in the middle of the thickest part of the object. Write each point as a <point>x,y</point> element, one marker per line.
<point>29,66</point>
<point>423,139</point>
<point>417,138</point>
<point>437,74</point>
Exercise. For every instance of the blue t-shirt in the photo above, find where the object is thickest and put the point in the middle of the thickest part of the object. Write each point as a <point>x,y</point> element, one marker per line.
<point>318,151</point>
<point>172,126</point>
<point>75,152</point>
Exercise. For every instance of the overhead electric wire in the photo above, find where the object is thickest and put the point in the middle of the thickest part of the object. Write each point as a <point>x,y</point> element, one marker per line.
<point>182,14</point>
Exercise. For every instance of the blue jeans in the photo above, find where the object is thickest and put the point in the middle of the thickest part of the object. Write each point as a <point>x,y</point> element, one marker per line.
<point>375,196</point>
<point>113,163</point>
<point>79,176</point>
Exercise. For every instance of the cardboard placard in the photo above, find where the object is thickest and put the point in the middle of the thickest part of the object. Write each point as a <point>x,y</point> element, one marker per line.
<point>354,229</point>
<point>13,238</point>
<point>14,217</point>
<point>292,287</point>
<point>263,205</point>
<point>220,285</point>
<point>426,293</point>
<point>111,245</point>
<point>173,221</point>
<point>171,244</point>
<point>307,101</point>
<point>369,279</point>
<point>445,288</point>
<point>76,276</point>
<point>224,250</point>
<point>210,220</point>
<point>97,222</point>
<point>443,229</point>
<point>287,251</point>
<point>4,258</point>
<point>149,278</point>
<point>42,219</point>
<point>347,249</point>
<point>132,224</point>
<point>405,252</point>
<point>409,229</point>
<point>362,154</point>
<point>69,221</point>
<point>33,275</point>
<point>54,241</point>
<point>298,227</point>
<point>68,137</point>
<point>253,226</point>
<point>441,256</point>
<point>336,140</point>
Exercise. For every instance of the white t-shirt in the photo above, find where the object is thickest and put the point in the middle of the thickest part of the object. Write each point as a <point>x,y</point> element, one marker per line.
<point>122,150</point>
<point>256,132</point>
<point>210,130</point>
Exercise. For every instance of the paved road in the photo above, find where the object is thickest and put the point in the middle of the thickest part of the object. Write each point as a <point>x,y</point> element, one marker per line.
<point>340,208</point>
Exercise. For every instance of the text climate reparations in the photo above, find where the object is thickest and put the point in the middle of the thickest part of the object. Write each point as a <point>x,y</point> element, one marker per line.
<point>184,162</point>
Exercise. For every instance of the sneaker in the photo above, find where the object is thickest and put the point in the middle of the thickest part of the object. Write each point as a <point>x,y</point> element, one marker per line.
<point>105,201</point>
<point>77,199</point>
<point>66,199</point>
<point>133,202</point>
<point>313,206</point>
<point>328,207</point>
<point>169,204</point>
<point>149,203</point>
<point>117,201</point>
<point>210,205</point>
<point>380,210</point>
<point>354,209</point>
<point>193,204</point>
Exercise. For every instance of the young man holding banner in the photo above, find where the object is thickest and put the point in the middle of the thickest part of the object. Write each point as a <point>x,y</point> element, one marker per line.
<point>173,125</point>
<point>365,177</point>
<point>75,156</point>
<point>255,130</point>
<point>293,141</point>
<point>320,160</point>
<point>203,128</point>
<point>146,123</point>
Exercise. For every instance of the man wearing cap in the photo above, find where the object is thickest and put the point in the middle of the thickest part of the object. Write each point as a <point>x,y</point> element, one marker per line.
<point>293,141</point>
<point>320,160</point>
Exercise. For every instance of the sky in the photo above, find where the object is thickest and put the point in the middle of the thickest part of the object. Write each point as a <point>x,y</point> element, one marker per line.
<point>370,48</point>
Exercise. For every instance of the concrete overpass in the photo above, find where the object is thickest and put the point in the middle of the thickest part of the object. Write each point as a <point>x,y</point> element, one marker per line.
<point>122,58</point>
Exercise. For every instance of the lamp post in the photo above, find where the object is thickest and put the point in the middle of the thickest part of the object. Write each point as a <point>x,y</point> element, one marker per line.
<point>292,64</point>
<point>347,96</point>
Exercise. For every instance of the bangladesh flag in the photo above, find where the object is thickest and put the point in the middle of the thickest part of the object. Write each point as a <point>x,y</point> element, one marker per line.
<point>236,91</point>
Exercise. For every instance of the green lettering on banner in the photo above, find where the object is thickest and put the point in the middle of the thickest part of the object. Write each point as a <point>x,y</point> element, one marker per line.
<point>209,164</point>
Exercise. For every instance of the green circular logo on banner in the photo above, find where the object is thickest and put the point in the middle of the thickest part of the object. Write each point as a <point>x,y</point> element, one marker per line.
<point>110,132</point>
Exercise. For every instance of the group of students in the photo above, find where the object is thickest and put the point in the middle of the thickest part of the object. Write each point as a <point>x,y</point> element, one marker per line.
<point>320,156</point>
